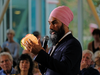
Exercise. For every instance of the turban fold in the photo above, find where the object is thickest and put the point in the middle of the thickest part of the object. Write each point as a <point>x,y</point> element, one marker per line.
<point>63,13</point>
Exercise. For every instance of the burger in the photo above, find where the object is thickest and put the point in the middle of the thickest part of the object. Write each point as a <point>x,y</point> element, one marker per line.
<point>26,38</point>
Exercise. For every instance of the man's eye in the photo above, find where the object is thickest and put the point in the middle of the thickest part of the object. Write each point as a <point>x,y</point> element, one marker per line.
<point>53,22</point>
<point>83,57</point>
<point>1,62</point>
<point>87,57</point>
<point>27,62</point>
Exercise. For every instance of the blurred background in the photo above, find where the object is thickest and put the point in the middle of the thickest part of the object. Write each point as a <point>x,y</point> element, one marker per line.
<point>27,16</point>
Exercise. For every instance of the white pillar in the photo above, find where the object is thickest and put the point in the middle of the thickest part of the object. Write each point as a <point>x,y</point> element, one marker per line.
<point>80,21</point>
<point>1,25</point>
<point>47,15</point>
<point>29,13</point>
<point>38,15</point>
<point>10,13</point>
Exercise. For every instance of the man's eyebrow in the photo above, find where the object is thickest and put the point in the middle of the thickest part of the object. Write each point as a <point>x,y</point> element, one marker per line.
<point>52,21</point>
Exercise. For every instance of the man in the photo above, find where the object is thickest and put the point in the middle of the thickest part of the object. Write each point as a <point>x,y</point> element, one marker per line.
<point>87,59</point>
<point>64,57</point>
<point>6,62</point>
<point>8,51</point>
<point>11,44</point>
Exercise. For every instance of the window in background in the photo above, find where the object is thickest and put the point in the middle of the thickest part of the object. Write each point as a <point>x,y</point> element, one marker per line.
<point>19,18</point>
<point>72,4</point>
<point>88,18</point>
<point>97,6</point>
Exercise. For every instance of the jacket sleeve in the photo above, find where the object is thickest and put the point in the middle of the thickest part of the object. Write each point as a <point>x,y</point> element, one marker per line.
<point>68,60</point>
<point>42,69</point>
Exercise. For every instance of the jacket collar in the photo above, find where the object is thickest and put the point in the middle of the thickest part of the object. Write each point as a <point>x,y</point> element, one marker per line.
<point>63,37</point>
<point>66,37</point>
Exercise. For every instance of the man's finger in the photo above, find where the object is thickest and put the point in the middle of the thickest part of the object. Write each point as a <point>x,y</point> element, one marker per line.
<point>30,41</point>
<point>27,45</point>
<point>39,42</point>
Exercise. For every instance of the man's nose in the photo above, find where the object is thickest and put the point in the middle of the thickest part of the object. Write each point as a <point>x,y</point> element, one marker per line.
<point>85,59</point>
<point>51,26</point>
<point>4,62</point>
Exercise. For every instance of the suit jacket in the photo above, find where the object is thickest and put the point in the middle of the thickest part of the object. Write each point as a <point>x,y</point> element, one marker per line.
<point>65,59</point>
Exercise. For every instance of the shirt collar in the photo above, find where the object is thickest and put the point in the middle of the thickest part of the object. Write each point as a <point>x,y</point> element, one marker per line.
<point>12,71</point>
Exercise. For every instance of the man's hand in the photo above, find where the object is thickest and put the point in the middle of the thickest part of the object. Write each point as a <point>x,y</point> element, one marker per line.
<point>32,47</point>
<point>98,69</point>
<point>83,65</point>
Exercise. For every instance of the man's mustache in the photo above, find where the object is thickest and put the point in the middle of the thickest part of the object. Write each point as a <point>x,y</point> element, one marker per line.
<point>51,30</point>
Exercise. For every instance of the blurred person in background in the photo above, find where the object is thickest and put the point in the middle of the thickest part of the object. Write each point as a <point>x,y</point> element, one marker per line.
<point>92,27</point>
<point>86,62</point>
<point>36,67</point>
<point>11,44</point>
<point>95,44</point>
<point>25,65</point>
<point>89,38</point>
<point>28,52</point>
<point>5,50</point>
<point>8,51</point>
<point>97,60</point>
<point>37,34</point>
<point>6,62</point>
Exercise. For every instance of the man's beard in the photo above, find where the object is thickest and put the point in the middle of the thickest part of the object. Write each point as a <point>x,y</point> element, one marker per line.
<point>57,35</point>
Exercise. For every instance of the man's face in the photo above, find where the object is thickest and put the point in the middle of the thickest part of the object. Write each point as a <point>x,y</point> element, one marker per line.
<point>5,63</point>
<point>87,58</point>
<point>56,30</point>
<point>10,36</point>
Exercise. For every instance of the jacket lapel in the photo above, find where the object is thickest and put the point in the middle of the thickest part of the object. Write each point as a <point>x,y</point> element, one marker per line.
<point>61,44</point>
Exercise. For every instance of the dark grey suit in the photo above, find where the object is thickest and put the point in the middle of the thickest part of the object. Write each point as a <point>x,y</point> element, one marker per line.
<point>65,60</point>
